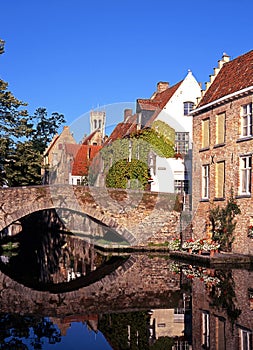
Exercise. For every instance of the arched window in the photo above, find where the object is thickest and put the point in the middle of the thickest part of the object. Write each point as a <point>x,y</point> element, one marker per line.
<point>188,107</point>
<point>95,123</point>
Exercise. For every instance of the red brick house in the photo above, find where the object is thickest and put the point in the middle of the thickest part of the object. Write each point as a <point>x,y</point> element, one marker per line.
<point>223,147</point>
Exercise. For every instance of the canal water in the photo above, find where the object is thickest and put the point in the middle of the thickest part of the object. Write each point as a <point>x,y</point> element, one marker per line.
<point>58,291</point>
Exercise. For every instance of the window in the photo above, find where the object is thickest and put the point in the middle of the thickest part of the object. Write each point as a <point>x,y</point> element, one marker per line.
<point>245,174</point>
<point>100,124</point>
<point>188,107</point>
<point>220,128</point>
<point>95,123</point>
<point>181,186</point>
<point>245,339</point>
<point>205,133</point>
<point>205,181</point>
<point>205,330</point>
<point>182,142</point>
<point>220,180</point>
<point>246,120</point>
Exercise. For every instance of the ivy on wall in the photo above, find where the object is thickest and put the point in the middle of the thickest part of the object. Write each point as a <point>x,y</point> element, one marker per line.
<point>126,160</point>
<point>164,129</point>
<point>125,174</point>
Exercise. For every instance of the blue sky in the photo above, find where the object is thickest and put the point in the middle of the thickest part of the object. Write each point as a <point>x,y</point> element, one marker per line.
<point>72,56</point>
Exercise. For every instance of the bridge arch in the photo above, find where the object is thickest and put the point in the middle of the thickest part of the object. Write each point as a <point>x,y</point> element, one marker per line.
<point>134,215</point>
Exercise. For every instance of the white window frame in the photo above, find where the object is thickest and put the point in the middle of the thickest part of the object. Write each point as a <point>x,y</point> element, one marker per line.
<point>245,174</point>
<point>245,339</point>
<point>206,329</point>
<point>182,142</point>
<point>246,120</point>
<point>205,181</point>
<point>188,107</point>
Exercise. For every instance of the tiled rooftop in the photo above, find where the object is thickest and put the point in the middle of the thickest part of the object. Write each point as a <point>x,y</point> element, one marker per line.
<point>234,76</point>
<point>121,130</point>
<point>159,99</point>
<point>82,157</point>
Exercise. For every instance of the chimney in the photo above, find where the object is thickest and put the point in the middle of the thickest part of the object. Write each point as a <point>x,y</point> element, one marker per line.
<point>162,86</point>
<point>127,113</point>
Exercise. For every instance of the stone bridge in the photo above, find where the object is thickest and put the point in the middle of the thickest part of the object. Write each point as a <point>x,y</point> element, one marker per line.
<point>137,216</point>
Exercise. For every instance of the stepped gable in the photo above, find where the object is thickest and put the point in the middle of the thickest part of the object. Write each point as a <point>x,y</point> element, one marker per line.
<point>233,76</point>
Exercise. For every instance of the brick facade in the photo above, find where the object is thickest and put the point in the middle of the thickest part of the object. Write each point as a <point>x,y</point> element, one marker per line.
<point>229,152</point>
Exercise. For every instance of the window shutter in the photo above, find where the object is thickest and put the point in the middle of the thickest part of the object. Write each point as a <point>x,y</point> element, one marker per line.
<point>220,128</point>
<point>220,177</point>
<point>205,133</point>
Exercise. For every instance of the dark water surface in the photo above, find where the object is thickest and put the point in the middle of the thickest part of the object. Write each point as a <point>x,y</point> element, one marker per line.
<point>60,292</point>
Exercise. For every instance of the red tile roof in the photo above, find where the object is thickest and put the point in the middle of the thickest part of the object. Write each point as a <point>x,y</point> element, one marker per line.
<point>157,102</point>
<point>233,76</point>
<point>82,157</point>
<point>89,137</point>
<point>159,99</point>
<point>121,130</point>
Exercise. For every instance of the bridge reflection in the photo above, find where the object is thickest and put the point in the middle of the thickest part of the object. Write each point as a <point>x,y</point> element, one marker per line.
<point>149,296</point>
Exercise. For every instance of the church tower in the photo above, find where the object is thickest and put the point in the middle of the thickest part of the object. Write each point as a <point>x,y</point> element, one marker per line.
<point>97,121</point>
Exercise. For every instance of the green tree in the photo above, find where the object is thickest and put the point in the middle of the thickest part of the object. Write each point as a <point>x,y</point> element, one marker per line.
<point>23,138</point>
<point>45,128</point>
<point>1,46</point>
<point>26,156</point>
<point>14,125</point>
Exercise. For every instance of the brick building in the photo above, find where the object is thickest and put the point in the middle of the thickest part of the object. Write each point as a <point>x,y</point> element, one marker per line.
<point>223,147</point>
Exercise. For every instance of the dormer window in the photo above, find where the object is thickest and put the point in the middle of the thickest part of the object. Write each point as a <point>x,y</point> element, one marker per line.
<point>188,107</point>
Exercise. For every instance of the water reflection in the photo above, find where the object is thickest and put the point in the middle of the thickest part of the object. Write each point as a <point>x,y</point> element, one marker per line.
<point>44,259</point>
<point>129,302</point>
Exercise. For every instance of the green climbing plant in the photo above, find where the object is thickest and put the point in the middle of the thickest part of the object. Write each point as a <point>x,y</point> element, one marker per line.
<point>125,174</point>
<point>223,223</point>
<point>125,160</point>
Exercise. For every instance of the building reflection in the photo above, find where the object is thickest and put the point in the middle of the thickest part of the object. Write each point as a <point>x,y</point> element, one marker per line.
<point>222,313</point>
<point>173,305</point>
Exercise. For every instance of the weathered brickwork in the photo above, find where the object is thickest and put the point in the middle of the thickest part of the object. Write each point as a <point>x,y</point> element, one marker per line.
<point>135,215</point>
<point>229,152</point>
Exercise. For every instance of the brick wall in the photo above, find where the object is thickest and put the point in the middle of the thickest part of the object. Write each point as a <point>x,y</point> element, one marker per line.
<point>229,152</point>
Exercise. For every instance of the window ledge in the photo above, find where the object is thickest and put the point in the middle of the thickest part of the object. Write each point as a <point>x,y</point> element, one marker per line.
<point>243,196</point>
<point>216,199</point>
<point>244,138</point>
<point>204,200</point>
<point>204,149</point>
<point>219,145</point>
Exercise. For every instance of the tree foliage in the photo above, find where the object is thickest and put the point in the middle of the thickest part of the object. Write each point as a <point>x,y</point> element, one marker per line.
<point>45,128</point>
<point>23,138</point>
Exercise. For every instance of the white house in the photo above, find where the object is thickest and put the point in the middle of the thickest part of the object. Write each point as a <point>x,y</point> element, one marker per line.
<point>172,106</point>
